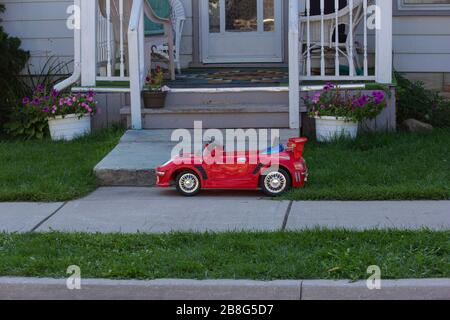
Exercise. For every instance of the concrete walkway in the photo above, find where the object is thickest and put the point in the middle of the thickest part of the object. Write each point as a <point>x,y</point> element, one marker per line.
<point>134,159</point>
<point>130,210</point>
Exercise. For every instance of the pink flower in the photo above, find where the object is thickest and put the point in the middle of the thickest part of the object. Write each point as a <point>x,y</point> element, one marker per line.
<point>316,97</point>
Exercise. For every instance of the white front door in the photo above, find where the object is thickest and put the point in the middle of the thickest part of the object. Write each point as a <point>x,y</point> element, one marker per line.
<point>234,31</point>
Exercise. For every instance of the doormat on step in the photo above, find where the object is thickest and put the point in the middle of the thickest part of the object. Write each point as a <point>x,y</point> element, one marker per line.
<point>246,77</point>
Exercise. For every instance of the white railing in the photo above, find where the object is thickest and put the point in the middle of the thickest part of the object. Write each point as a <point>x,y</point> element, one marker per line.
<point>316,51</point>
<point>321,37</point>
<point>112,21</point>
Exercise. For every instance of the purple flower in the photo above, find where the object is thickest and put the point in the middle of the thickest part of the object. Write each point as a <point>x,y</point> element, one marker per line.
<point>46,110</point>
<point>379,96</point>
<point>361,101</point>
<point>316,97</point>
<point>36,101</point>
<point>40,88</point>
<point>26,100</point>
<point>328,86</point>
<point>90,93</point>
<point>54,93</point>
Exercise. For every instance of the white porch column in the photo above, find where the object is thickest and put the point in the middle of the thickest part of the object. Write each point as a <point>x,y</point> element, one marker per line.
<point>294,68</point>
<point>135,47</point>
<point>383,53</point>
<point>88,13</point>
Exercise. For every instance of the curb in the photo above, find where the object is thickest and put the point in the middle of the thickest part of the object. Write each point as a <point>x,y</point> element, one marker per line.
<point>171,289</point>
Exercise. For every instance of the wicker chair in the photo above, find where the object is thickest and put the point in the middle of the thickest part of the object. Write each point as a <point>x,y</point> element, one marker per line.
<point>315,25</point>
<point>150,13</point>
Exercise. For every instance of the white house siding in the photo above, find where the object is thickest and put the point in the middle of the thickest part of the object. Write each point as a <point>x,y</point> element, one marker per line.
<point>422,43</point>
<point>422,49</point>
<point>41,25</point>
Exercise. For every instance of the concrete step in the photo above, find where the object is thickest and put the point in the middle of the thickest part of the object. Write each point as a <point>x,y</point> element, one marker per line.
<point>227,96</point>
<point>215,116</point>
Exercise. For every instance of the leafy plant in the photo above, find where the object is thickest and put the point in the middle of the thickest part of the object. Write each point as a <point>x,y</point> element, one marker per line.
<point>416,102</point>
<point>51,72</point>
<point>12,62</point>
<point>26,120</point>
<point>30,120</point>
<point>333,102</point>
<point>155,79</point>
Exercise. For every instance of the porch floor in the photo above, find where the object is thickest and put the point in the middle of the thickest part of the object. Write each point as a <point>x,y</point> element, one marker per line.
<point>232,77</point>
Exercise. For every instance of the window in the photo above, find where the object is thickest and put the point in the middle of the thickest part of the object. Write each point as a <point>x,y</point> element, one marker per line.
<point>427,5</point>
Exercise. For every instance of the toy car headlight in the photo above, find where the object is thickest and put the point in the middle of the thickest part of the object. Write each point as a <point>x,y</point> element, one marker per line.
<point>299,166</point>
<point>160,173</point>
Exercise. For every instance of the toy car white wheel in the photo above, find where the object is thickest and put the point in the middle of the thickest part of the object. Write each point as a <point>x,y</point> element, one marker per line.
<point>275,183</point>
<point>188,183</point>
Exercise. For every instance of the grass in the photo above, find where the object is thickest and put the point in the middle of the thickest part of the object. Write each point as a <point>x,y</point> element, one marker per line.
<point>401,166</point>
<point>318,254</point>
<point>52,171</point>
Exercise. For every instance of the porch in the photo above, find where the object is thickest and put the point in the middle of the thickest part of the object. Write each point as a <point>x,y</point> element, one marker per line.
<point>116,64</point>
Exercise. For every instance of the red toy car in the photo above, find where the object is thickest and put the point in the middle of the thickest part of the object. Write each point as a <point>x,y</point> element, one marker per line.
<point>274,170</point>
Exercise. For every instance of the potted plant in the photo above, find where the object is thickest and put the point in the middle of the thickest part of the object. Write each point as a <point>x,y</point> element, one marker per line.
<point>339,113</point>
<point>69,116</point>
<point>155,94</point>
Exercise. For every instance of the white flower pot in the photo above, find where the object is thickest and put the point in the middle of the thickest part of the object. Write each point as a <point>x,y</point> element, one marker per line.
<point>329,128</point>
<point>69,127</point>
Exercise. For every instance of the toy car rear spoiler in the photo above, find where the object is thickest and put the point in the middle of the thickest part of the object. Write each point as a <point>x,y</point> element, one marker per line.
<point>296,146</point>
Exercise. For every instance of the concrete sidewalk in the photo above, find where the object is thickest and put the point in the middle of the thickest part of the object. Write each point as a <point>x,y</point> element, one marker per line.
<point>154,210</point>
<point>171,289</point>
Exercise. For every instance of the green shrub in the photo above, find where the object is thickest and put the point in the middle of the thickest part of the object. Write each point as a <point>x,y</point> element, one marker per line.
<point>416,102</point>
<point>12,61</point>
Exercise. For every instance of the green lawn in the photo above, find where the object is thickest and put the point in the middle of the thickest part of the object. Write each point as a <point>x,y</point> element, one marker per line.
<point>399,166</point>
<point>52,171</point>
<point>374,167</point>
<point>316,254</point>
